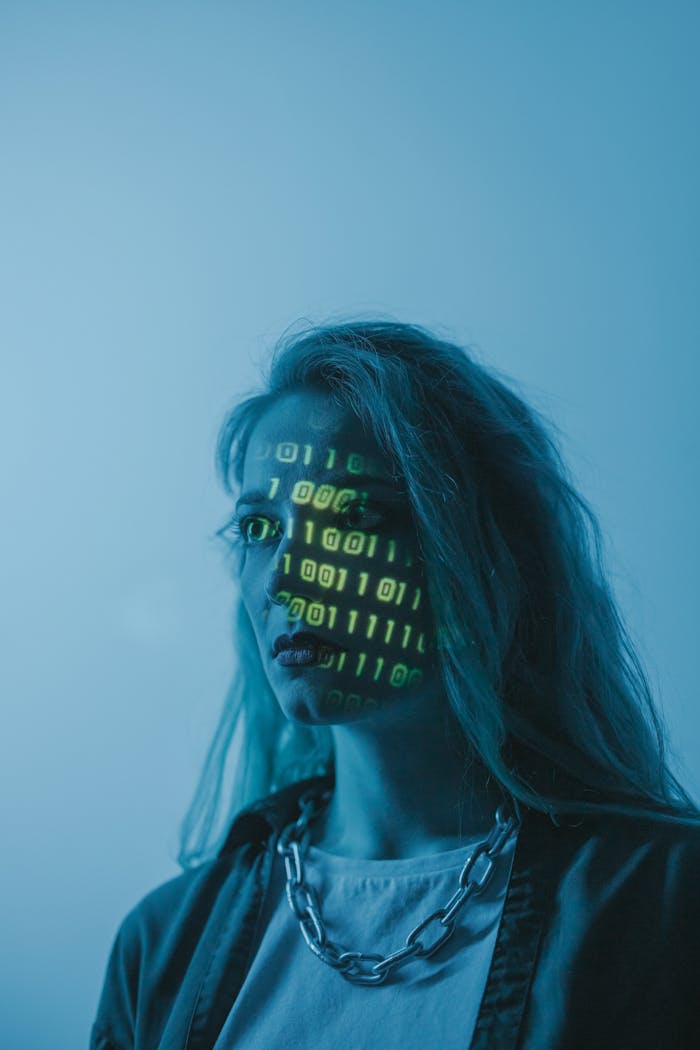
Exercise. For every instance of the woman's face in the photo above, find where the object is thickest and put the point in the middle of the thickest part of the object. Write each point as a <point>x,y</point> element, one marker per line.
<point>328,546</point>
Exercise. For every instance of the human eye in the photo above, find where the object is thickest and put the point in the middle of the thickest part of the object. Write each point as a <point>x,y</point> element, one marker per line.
<point>358,513</point>
<point>249,529</point>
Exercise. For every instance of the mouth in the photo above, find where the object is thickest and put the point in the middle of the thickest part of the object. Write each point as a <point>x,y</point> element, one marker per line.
<point>303,648</point>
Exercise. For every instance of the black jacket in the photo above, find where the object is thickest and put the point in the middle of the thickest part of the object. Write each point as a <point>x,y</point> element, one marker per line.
<point>598,946</point>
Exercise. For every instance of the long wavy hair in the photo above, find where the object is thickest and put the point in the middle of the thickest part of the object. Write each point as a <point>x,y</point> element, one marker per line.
<point>537,664</point>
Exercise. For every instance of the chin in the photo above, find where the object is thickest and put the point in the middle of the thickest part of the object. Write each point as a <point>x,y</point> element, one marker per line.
<point>301,712</point>
<point>328,710</point>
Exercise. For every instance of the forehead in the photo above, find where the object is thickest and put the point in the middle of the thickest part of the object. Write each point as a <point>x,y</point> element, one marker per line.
<point>309,429</point>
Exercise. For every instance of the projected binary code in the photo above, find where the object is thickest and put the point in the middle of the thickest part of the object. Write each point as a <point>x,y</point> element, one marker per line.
<point>339,566</point>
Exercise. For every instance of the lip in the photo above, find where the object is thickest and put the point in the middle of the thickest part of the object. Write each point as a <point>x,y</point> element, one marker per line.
<point>302,640</point>
<point>306,656</point>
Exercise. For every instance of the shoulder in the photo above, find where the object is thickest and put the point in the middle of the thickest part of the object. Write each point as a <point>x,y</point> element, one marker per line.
<point>159,941</point>
<point>619,886</point>
<point>140,947</point>
<point>155,944</point>
<point>656,835</point>
<point>628,858</point>
<point>620,948</point>
<point>630,828</point>
<point>667,848</point>
<point>164,903</point>
<point>613,853</point>
<point>192,893</point>
<point>196,889</point>
<point>180,908</point>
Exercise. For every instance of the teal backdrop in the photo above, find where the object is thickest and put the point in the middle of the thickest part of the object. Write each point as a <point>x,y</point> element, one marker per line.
<point>179,183</point>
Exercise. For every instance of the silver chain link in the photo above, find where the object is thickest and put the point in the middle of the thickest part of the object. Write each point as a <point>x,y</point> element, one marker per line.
<point>292,845</point>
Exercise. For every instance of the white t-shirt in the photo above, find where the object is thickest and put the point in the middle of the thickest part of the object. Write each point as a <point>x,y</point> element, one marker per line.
<point>290,999</point>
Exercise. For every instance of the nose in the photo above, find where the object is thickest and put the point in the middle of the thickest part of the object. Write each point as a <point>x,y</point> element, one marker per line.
<point>283,588</point>
<point>275,592</point>
<point>294,574</point>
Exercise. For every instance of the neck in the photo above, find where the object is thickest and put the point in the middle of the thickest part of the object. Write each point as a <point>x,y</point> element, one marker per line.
<point>402,790</point>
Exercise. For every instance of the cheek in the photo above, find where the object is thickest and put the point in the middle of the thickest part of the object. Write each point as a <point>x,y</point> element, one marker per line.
<point>251,583</point>
<point>377,598</point>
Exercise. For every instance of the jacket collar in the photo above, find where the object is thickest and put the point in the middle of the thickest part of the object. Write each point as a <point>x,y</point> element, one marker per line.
<point>269,815</point>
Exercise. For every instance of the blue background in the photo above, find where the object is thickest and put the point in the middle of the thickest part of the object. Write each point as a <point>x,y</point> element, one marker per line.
<point>179,183</point>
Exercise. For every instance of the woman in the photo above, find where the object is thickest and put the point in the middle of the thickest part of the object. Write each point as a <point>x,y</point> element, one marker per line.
<point>451,821</point>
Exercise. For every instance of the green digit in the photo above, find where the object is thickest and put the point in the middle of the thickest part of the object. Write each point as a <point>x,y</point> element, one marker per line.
<point>326,574</point>
<point>302,492</point>
<point>399,674</point>
<point>354,542</point>
<point>308,569</point>
<point>330,539</point>
<point>296,608</point>
<point>324,495</point>
<point>287,451</point>
<point>386,589</point>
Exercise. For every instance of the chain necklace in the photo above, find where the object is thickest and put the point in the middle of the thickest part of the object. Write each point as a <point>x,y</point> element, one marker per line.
<point>292,846</point>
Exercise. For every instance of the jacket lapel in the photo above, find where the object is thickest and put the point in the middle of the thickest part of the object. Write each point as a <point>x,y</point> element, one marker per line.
<point>525,908</point>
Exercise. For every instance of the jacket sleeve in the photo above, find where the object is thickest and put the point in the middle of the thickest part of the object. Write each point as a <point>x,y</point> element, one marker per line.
<point>115,1021</point>
<point>153,952</point>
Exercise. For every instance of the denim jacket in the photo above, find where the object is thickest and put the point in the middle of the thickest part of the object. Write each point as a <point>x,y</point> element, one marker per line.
<point>598,944</point>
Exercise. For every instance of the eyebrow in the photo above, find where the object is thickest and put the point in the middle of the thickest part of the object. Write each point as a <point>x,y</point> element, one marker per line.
<point>261,496</point>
